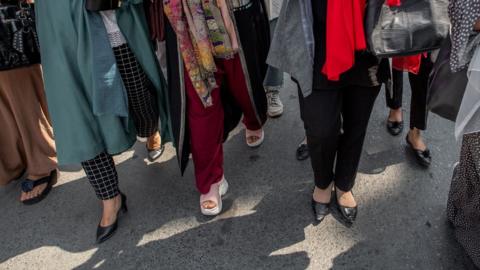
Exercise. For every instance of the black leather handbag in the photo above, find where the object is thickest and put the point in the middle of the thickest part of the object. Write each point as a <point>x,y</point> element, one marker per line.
<point>99,5</point>
<point>18,37</point>
<point>446,89</point>
<point>414,27</point>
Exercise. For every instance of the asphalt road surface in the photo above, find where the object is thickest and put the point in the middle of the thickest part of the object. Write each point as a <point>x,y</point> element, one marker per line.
<point>268,221</point>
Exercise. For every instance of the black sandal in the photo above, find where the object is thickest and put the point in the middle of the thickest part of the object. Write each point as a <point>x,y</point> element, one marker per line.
<point>29,185</point>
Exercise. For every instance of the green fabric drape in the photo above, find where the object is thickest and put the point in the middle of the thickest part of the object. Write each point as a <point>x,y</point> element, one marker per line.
<point>67,61</point>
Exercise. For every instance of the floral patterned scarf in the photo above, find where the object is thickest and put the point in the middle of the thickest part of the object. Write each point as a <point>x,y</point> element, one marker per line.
<point>202,37</point>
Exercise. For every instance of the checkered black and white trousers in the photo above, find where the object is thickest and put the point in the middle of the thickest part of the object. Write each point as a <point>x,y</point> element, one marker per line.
<point>142,100</point>
<point>143,109</point>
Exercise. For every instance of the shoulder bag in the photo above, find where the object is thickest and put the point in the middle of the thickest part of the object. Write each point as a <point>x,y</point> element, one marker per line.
<point>446,88</point>
<point>18,37</point>
<point>413,27</point>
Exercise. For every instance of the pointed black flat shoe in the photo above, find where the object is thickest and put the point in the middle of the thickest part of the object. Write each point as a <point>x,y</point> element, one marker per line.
<point>394,128</point>
<point>105,233</point>
<point>320,210</point>
<point>424,158</point>
<point>348,213</point>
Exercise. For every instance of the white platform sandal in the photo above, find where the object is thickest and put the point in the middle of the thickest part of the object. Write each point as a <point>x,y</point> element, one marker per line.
<point>254,134</point>
<point>217,191</point>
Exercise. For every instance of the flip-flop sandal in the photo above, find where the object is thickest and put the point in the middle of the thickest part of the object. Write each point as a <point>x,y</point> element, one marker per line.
<point>252,134</point>
<point>215,195</point>
<point>29,185</point>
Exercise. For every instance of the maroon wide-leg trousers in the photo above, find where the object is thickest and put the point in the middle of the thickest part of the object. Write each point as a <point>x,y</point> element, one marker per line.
<point>207,123</point>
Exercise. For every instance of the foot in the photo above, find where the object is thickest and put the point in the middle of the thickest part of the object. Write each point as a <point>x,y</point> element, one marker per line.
<point>110,211</point>
<point>395,122</point>
<point>415,139</point>
<point>419,149</point>
<point>346,199</point>
<point>347,205</point>
<point>275,105</point>
<point>254,138</point>
<point>35,189</point>
<point>211,203</point>
<point>109,223</point>
<point>154,142</point>
<point>321,203</point>
<point>25,196</point>
<point>396,115</point>
<point>155,147</point>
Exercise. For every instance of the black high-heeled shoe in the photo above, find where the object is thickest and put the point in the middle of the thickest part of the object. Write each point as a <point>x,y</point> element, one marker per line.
<point>105,233</point>
<point>348,213</point>
<point>320,210</point>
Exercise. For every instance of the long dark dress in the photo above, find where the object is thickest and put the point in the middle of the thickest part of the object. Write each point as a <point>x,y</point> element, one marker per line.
<point>463,209</point>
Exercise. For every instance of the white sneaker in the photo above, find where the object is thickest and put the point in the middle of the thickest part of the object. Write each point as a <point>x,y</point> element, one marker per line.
<point>275,105</point>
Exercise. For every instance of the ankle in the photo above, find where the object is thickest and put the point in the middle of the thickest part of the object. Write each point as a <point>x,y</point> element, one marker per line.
<point>414,134</point>
<point>154,141</point>
<point>346,198</point>
<point>395,115</point>
<point>322,195</point>
<point>256,130</point>
<point>110,210</point>
<point>112,205</point>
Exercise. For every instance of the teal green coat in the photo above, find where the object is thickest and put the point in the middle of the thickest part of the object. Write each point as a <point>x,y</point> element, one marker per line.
<point>67,61</point>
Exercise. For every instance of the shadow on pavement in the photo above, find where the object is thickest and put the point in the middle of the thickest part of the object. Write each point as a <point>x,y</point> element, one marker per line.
<point>401,222</point>
<point>159,197</point>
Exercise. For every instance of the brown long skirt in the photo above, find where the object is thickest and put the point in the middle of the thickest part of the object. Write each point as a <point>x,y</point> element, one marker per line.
<point>26,136</point>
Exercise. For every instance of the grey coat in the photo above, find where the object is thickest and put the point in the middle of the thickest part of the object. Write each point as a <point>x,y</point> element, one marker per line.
<point>292,49</point>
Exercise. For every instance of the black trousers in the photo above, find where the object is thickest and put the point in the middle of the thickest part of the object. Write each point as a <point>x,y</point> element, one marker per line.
<point>336,122</point>
<point>142,102</point>
<point>419,86</point>
<point>254,34</point>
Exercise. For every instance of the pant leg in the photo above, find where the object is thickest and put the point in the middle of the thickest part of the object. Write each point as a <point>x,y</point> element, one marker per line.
<point>206,135</point>
<point>274,78</point>
<point>321,116</point>
<point>254,35</point>
<point>357,107</point>
<point>142,100</point>
<point>395,99</point>
<point>238,87</point>
<point>102,175</point>
<point>419,85</point>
